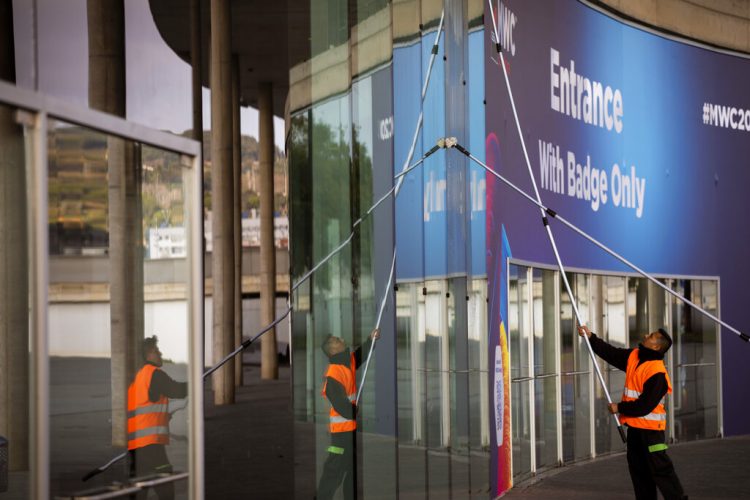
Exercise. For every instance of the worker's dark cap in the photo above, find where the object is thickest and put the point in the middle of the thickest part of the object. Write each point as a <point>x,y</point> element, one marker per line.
<point>666,336</point>
<point>148,345</point>
<point>324,344</point>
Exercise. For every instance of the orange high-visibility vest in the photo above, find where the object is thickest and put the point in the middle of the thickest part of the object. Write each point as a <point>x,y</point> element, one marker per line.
<point>148,422</point>
<point>346,376</point>
<point>635,377</point>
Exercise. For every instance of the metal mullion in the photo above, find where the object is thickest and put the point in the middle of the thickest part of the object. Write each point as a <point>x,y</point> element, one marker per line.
<point>416,365</point>
<point>445,390</point>
<point>558,369</point>
<point>509,345</point>
<point>56,108</point>
<point>719,383</point>
<point>196,487</point>
<point>593,309</point>
<point>530,350</point>
<point>39,263</point>
<point>670,359</point>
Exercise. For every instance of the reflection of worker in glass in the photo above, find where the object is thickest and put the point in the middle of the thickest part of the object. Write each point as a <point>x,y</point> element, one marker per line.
<point>340,388</point>
<point>148,417</point>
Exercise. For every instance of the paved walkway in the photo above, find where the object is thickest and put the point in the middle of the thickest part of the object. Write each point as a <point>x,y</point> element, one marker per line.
<point>249,445</point>
<point>710,469</point>
<point>250,454</point>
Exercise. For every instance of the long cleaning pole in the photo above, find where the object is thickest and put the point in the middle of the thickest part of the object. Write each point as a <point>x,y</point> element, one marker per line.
<point>388,287</point>
<point>397,187</point>
<point>562,220</point>
<point>547,227</point>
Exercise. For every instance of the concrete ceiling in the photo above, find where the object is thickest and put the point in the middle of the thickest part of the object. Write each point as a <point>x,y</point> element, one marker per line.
<point>268,36</point>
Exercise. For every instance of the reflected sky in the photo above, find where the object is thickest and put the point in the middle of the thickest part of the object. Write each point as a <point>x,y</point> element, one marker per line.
<point>158,82</point>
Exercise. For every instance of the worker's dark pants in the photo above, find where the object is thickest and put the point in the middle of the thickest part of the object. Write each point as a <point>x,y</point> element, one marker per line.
<point>150,460</point>
<point>339,467</point>
<point>651,468</point>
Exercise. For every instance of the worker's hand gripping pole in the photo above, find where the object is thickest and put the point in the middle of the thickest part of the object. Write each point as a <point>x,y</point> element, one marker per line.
<point>388,288</point>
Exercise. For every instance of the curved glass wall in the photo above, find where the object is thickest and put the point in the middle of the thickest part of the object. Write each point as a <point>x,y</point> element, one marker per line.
<point>80,294</point>
<point>424,416</point>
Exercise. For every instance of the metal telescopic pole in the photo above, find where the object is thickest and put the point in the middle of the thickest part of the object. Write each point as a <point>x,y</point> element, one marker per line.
<point>547,228</point>
<point>397,187</point>
<point>420,120</point>
<point>562,220</point>
<point>557,254</point>
<point>556,216</point>
<point>388,287</point>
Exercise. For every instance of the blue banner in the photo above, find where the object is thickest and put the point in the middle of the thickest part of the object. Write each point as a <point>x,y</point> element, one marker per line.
<point>637,139</point>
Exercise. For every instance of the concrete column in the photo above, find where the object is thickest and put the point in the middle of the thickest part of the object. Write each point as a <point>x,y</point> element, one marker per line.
<point>106,36</point>
<point>14,269</point>
<point>222,198</point>
<point>237,185</point>
<point>269,360</point>
<point>196,59</point>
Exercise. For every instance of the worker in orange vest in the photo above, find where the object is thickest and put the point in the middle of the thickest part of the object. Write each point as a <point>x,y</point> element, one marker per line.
<point>148,417</point>
<point>643,411</point>
<point>340,388</point>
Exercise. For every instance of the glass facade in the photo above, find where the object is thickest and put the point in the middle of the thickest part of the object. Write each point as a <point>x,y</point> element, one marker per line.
<point>424,417</point>
<point>82,191</point>
<point>92,359</point>
<point>621,310</point>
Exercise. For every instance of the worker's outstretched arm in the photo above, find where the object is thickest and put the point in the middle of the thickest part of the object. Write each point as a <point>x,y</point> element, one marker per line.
<point>615,356</point>
<point>360,354</point>
<point>163,385</point>
<point>336,394</point>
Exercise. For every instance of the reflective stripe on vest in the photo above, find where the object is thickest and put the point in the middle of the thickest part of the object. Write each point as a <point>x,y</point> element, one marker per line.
<point>635,376</point>
<point>148,422</point>
<point>154,408</point>
<point>655,416</point>
<point>338,419</point>
<point>346,376</point>
<point>148,432</point>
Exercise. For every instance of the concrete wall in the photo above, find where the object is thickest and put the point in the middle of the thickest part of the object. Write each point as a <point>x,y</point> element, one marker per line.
<point>86,278</point>
<point>82,329</point>
<point>725,23</point>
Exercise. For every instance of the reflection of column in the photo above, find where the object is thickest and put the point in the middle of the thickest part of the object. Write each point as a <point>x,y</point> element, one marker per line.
<point>222,199</point>
<point>126,274</point>
<point>14,270</point>
<point>269,360</point>
<point>642,312</point>
<point>106,35</point>
<point>237,215</point>
<point>550,282</point>
<point>656,307</point>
